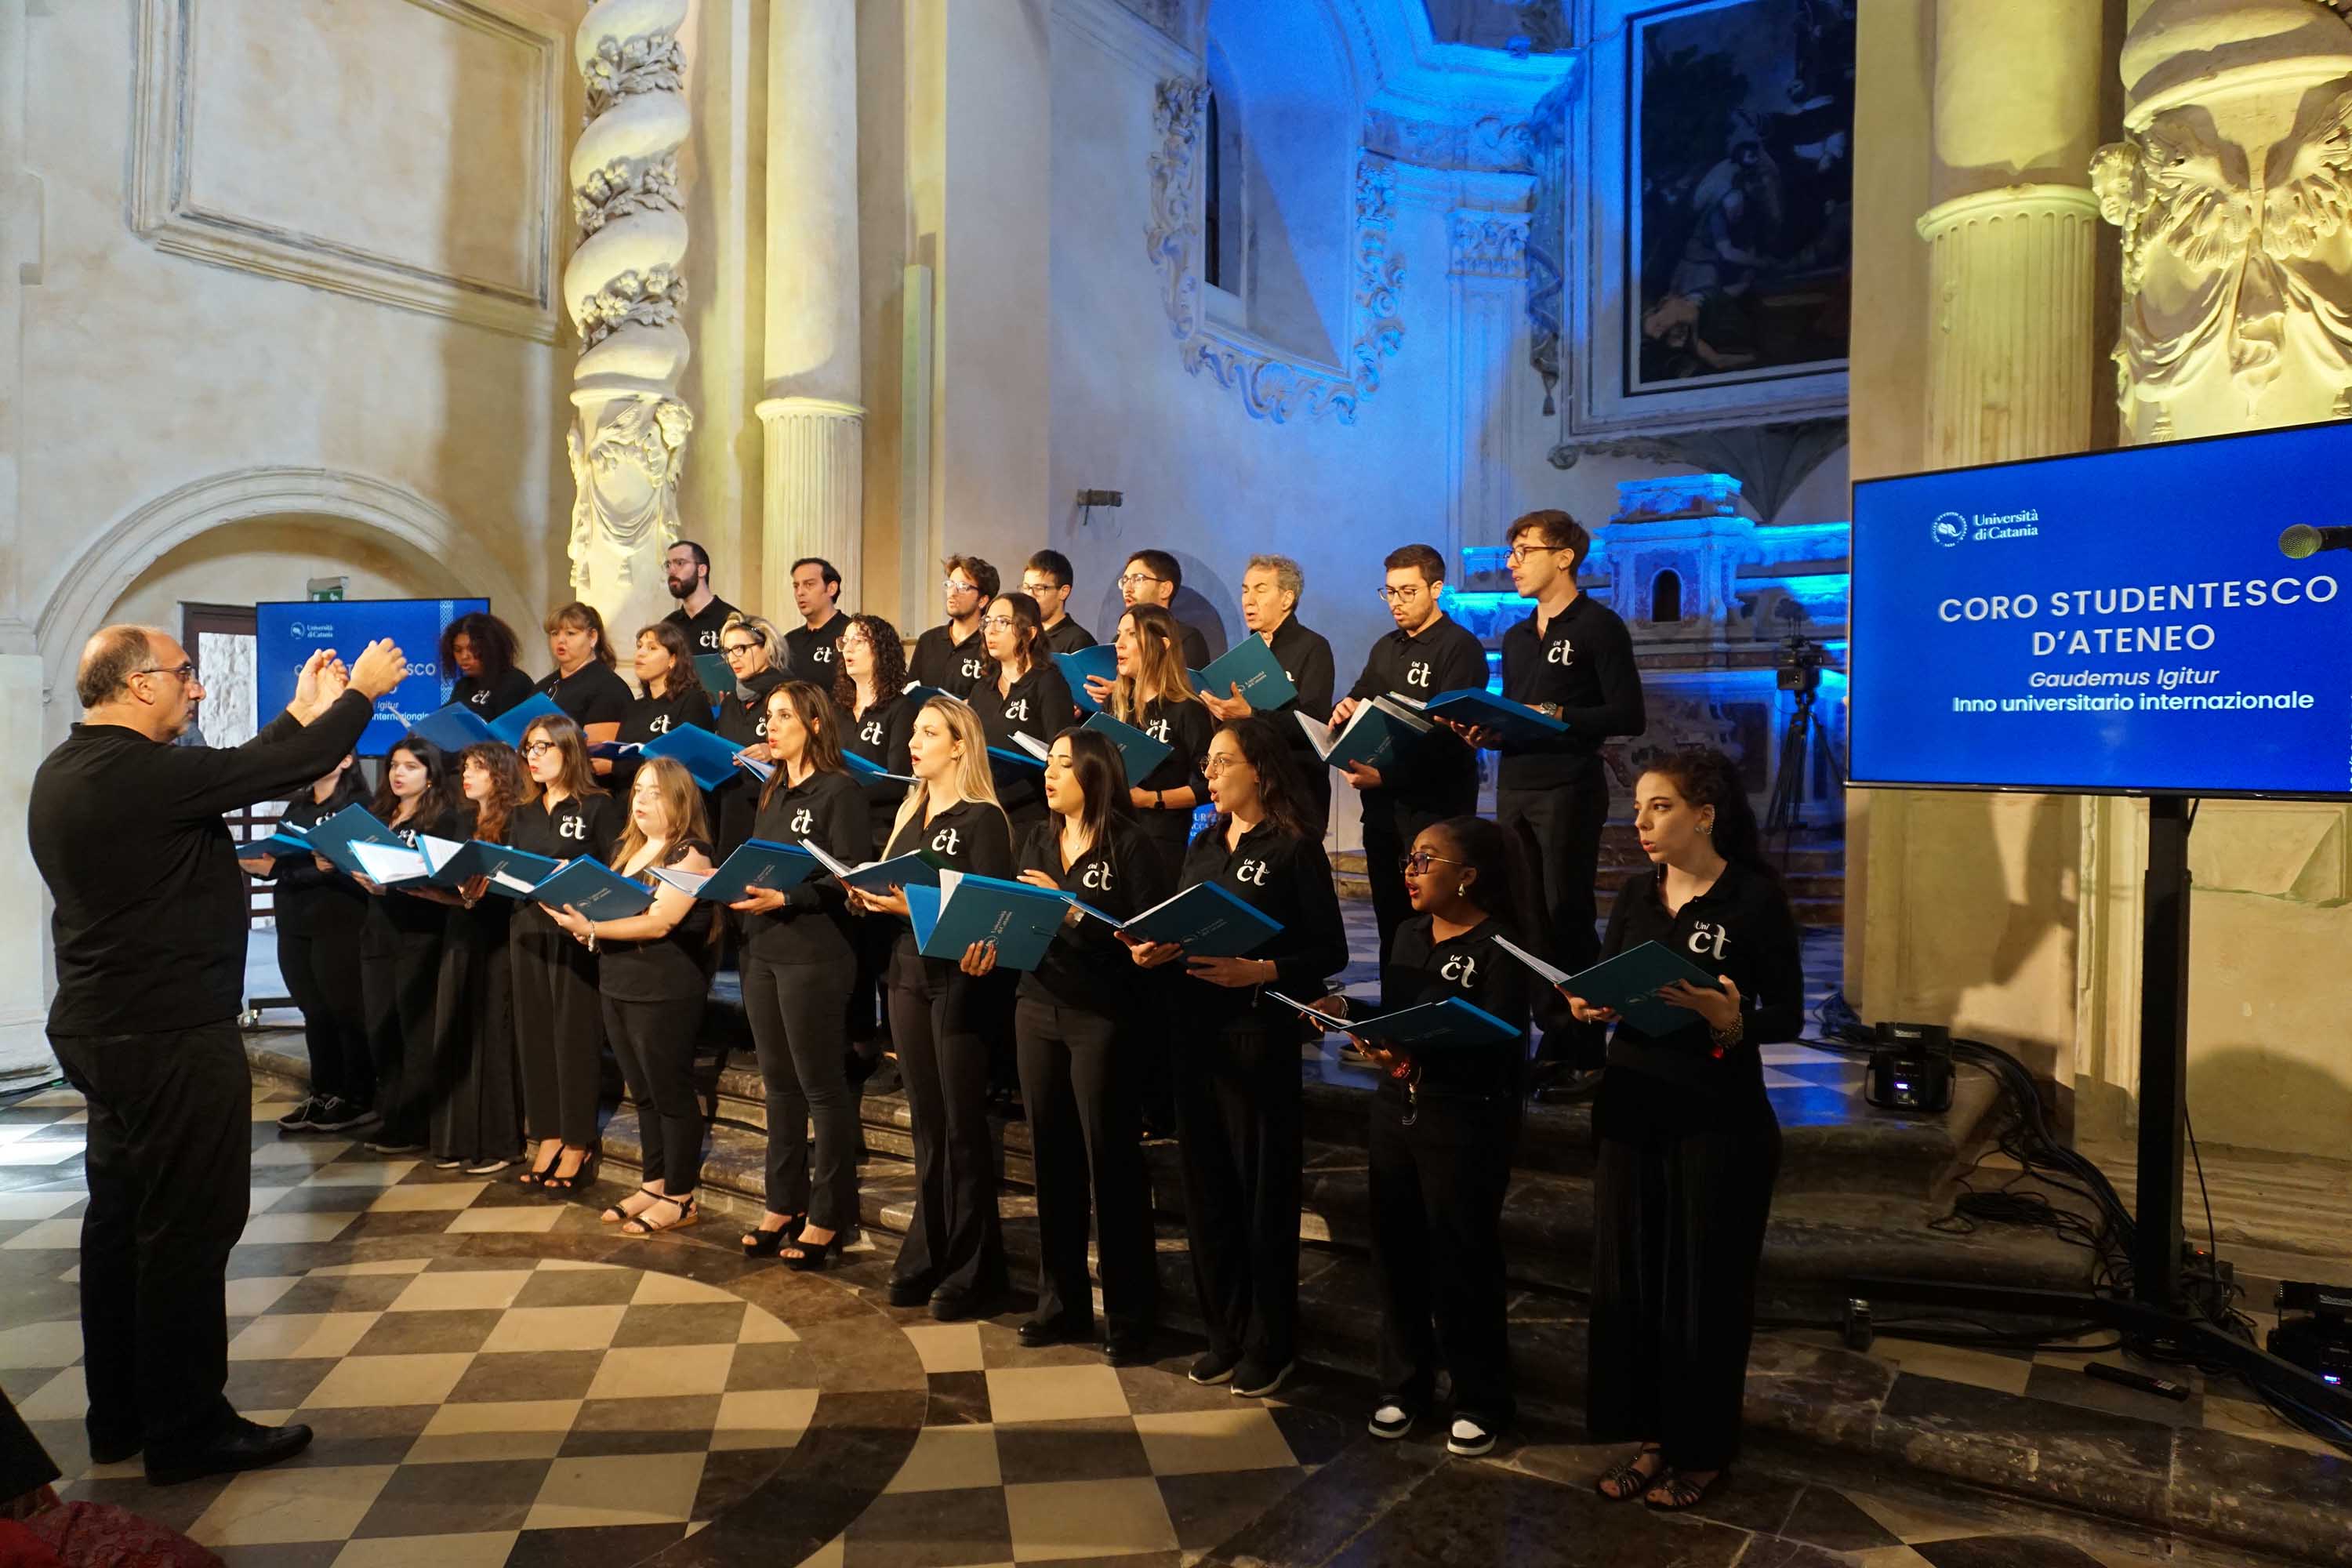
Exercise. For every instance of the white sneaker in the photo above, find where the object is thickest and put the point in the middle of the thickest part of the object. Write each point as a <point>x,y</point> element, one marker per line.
<point>1389,1421</point>
<point>1468,1439</point>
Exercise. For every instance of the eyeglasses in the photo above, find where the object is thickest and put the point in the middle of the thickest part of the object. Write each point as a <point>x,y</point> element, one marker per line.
<point>531,753</point>
<point>1211,766</point>
<point>997,623</point>
<point>1421,860</point>
<point>1404,596</point>
<point>952,586</point>
<point>186,669</point>
<point>1039,589</point>
<point>735,648</point>
<point>1136,579</point>
<point>848,640</point>
<point>1518,553</point>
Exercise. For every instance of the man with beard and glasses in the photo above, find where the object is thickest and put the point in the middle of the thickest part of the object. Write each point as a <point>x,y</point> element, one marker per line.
<point>700,610</point>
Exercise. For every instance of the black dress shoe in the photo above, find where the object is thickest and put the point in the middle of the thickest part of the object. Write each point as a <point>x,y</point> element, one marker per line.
<point>242,1445</point>
<point>1038,1332</point>
<point>1128,1347</point>
<point>955,1306</point>
<point>114,1453</point>
<point>908,1292</point>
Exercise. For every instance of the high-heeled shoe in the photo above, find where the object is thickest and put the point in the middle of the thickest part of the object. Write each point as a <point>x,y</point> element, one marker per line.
<point>816,1256</point>
<point>538,1174</point>
<point>768,1243</point>
<point>649,1223</point>
<point>585,1176</point>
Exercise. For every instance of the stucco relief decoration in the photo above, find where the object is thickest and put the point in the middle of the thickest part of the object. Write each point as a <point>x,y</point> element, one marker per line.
<point>626,290</point>
<point>1490,244</point>
<point>1274,385</point>
<point>2233,192</point>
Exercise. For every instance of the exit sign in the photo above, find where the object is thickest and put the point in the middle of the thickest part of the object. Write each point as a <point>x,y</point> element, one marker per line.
<point>327,589</point>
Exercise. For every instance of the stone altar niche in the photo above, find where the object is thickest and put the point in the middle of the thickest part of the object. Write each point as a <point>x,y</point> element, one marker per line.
<point>2232,193</point>
<point>627,294</point>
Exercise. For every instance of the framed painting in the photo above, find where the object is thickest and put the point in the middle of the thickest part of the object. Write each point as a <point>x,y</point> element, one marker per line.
<point>1715,146</point>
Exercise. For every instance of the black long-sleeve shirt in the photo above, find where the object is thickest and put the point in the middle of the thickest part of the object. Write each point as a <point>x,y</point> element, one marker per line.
<point>1120,874</point>
<point>881,735</point>
<point>650,717</point>
<point>1289,879</point>
<point>1305,657</point>
<point>1187,726</point>
<point>1741,927</point>
<point>969,836</point>
<point>955,667</point>
<point>308,901</point>
<point>1581,667</point>
<point>1421,969</point>
<point>832,809</point>
<point>150,922</point>
<point>1039,707</point>
<point>734,803</point>
<point>1436,775</point>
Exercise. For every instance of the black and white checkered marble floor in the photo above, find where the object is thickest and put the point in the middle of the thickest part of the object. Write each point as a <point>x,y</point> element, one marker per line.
<point>496,1378</point>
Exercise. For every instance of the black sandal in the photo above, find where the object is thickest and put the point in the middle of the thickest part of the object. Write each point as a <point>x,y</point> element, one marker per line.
<point>585,1176</point>
<point>639,1224</point>
<point>768,1243</point>
<point>617,1214</point>
<point>1630,1480</point>
<point>537,1173</point>
<point>1683,1493</point>
<point>813,1256</point>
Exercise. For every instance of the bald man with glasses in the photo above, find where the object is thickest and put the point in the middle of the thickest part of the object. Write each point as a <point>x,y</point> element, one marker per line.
<point>150,930</point>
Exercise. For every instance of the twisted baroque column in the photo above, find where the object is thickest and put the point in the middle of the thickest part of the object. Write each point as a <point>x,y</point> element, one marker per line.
<point>626,293</point>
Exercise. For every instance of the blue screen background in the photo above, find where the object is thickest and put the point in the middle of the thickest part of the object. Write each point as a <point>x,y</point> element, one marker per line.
<point>2155,516</point>
<point>286,633</point>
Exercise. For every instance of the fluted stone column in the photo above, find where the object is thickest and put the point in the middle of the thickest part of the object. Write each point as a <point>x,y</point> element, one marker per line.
<point>814,413</point>
<point>626,293</point>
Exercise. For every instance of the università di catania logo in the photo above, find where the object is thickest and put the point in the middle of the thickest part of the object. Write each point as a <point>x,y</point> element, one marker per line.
<point>1952,528</point>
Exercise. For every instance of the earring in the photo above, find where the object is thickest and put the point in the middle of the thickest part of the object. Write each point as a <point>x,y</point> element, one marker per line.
<point>1461,890</point>
<point>1707,829</point>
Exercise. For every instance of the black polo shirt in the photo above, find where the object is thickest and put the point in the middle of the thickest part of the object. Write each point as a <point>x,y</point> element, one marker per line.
<point>491,697</point>
<point>1436,776</point>
<point>702,630</point>
<point>1086,966</point>
<point>593,694</point>
<point>830,809</point>
<point>1066,636</point>
<point>813,657</point>
<point>1421,969</point>
<point>1289,879</point>
<point>1580,669</point>
<point>955,667</point>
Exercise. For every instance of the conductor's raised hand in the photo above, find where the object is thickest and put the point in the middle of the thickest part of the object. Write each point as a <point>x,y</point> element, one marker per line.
<point>309,701</point>
<point>379,667</point>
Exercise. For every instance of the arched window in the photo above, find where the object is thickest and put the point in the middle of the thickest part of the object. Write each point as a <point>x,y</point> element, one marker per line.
<point>1224,188</point>
<point>1666,596</point>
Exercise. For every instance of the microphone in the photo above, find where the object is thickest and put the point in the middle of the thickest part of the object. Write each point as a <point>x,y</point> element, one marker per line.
<point>2303,540</point>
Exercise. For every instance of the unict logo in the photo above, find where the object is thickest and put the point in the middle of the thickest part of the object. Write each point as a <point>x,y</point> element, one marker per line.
<point>1949,529</point>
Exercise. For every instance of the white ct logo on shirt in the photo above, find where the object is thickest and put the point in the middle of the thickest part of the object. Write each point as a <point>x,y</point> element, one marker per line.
<point>1096,875</point>
<point>660,726</point>
<point>707,639</point>
<point>1417,674</point>
<point>1017,709</point>
<point>872,734</point>
<point>1252,872</point>
<point>974,669</point>
<point>803,819</point>
<point>1708,940</point>
<point>945,841</point>
<point>573,828</point>
<point>1560,652</point>
<point>1462,969</point>
<point>1158,731</point>
<point>480,699</point>
<point>761,729</point>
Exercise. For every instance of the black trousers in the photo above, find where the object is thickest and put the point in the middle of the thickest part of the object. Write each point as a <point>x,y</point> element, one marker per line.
<point>795,1011</point>
<point>322,975</point>
<point>1437,1187</point>
<point>865,1015</point>
<point>1557,833</point>
<point>558,1031</point>
<point>1078,1080</point>
<point>1677,1232</point>
<point>938,1020</point>
<point>654,1043</point>
<point>169,1167</point>
<point>399,982</point>
<point>1237,1121</point>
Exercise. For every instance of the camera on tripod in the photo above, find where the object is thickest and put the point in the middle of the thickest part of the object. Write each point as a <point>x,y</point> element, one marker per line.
<point>1802,662</point>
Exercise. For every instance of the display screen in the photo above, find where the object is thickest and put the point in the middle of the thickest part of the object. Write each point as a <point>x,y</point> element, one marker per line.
<point>2119,623</point>
<point>286,633</point>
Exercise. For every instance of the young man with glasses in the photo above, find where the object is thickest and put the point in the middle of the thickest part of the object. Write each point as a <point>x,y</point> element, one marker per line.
<point>150,924</point>
<point>701,612</point>
<point>1047,579</point>
<point>1572,659</point>
<point>817,594</point>
<point>1436,778</point>
<point>1153,577</point>
<point>1272,586</point>
<point>953,656</point>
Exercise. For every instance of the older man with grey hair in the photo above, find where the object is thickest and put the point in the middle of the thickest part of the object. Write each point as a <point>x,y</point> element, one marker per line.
<point>150,930</point>
<point>1271,588</point>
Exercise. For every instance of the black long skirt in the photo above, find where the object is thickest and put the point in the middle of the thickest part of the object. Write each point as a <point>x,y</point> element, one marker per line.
<point>479,1117</point>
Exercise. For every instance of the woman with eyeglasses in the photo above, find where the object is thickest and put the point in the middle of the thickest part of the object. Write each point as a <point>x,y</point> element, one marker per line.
<point>1153,694</point>
<point>585,685</point>
<point>1688,1145</point>
<point>484,652</point>
<point>799,963</point>
<point>1024,694</point>
<point>673,693</point>
<point>953,1255</point>
<point>750,645</point>
<point>1237,1080</point>
<point>320,914</point>
<point>1443,1124</point>
<point>400,948</point>
<point>878,718</point>
<point>653,972</point>
<point>478,1122</point>
<point>1078,1021</point>
<point>559,1029</point>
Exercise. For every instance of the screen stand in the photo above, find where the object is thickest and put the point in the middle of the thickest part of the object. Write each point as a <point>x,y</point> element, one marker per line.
<point>2157,1309</point>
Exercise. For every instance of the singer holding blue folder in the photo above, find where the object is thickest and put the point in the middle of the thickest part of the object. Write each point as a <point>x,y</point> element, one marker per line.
<point>750,645</point>
<point>1688,1144</point>
<point>800,961</point>
<point>558,1031</point>
<point>319,915</point>
<point>1153,694</point>
<point>1083,1029</point>
<point>1237,1071</point>
<point>1022,694</point>
<point>400,949</point>
<point>953,1256</point>
<point>477,1123</point>
<point>868,688</point>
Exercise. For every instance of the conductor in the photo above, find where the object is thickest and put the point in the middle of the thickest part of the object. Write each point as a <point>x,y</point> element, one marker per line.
<point>150,933</point>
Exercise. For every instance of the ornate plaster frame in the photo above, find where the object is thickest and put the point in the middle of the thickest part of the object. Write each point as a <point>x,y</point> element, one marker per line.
<point>162,213</point>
